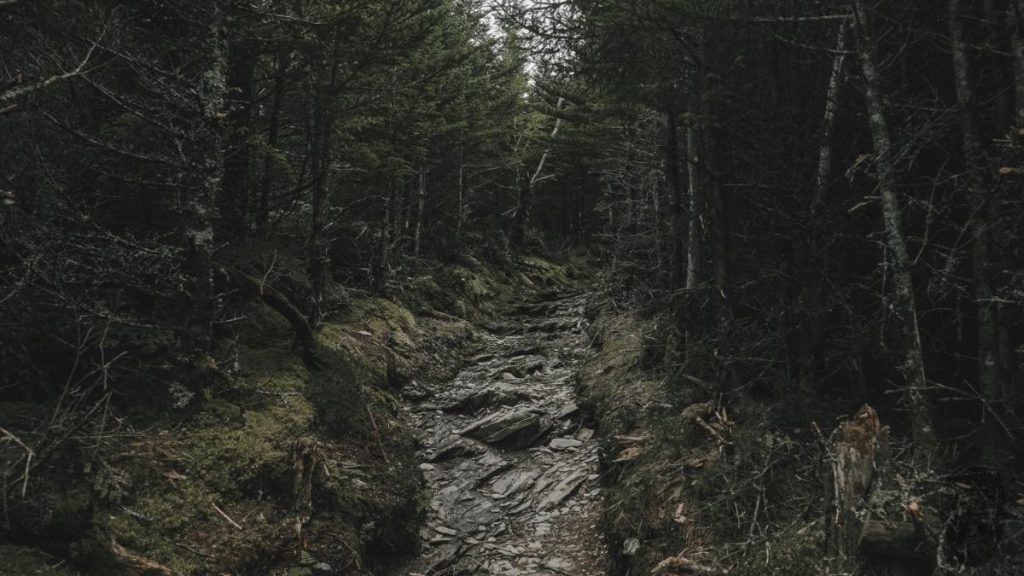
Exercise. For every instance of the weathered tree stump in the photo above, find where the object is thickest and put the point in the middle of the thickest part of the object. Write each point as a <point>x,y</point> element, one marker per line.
<point>859,451</point>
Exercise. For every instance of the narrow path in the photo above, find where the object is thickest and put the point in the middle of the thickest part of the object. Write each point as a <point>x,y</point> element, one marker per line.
<point>511,469</point>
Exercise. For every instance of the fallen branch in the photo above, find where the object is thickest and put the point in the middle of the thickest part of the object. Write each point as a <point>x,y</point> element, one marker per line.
<point>254,288</point>
<point>376,435</point>
<point>226,517</point>
<point>29,454</point>
<point>136,563</point>
<point>682,565</point>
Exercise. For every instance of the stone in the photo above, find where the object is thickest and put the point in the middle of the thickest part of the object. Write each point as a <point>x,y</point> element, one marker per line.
<point>515,428</point>
<point>564,443</point>
<point>559,565</point>
<point>568,410</point>
<point>480,358</point>
<point>526,351</point>
<point>415,392</point>
<point>515,481</point>
<point>500,394</point>
<point>455,449</point>
<point>444,530</point>
<point>562,490</point>
<point>521,367</point>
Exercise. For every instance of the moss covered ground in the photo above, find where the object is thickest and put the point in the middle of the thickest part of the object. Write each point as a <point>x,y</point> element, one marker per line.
<point>687,486</point>
<point>278,470</point>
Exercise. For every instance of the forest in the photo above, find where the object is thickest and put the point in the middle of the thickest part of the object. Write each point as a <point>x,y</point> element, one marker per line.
<point>511,287</point>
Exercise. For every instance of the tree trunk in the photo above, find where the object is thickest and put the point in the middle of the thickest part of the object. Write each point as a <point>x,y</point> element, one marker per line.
<point>323,136</point>
<point>204,159</point>
<point>978,183</point>
<point>695,233</point>
<point>903,306</point>
<point>382,264</point>
<point>233,204</point>
<point>676,343</point>
<point>273,134</point>
<point>728,377</point>
<point>1016,21</point>
<point>525,201</point>
<point>460,215</point>
<point>421,205</point>
<point>675,188</point>
<point>812,330</point>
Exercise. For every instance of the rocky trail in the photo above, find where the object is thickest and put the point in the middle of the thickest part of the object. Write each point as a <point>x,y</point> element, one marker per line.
<point>511,468</point>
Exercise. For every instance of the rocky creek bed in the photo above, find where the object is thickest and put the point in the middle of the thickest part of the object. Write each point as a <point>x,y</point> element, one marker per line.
<point>511,468</point>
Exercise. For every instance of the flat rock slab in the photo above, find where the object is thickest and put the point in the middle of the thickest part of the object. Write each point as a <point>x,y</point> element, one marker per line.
<point>497,395</point>
<point>522,367</point>
<point>516,427</point>
<point>456,449</point>
<point>562,490</point>
<point>515,481</point>
<point>564,443</point>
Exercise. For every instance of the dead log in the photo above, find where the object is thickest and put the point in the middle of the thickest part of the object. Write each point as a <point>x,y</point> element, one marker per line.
<point>136,565</point>
<point>681,566</point>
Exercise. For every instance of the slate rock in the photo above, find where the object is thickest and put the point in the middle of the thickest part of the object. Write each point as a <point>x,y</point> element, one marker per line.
<point>514,428</point>
<point>494,396</point>
<point>564,443</point>
<point>456,449</point>
<point>562,490</point>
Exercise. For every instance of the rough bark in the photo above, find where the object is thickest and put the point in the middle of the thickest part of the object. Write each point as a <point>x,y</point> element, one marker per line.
<point>812,331</point>
<point>721,257</point>
<point>675,186</point>
<point>903,305</point>
<point>978,184</point>
<point>382,262</point>
<point>421,206</point>
<point>460,215</point>
<point>323,137</point>
<point>1016,21</point>
<point>233,202</point>
<point>524,204</point>
<point>857,454</point>
<point>273,135</point>
<point>695,231</point>
<point>204,161</point>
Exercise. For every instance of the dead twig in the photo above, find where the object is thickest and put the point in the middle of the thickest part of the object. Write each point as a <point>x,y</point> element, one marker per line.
<point>29,454</point>
<point>376,435</point>
<point>226,517</point>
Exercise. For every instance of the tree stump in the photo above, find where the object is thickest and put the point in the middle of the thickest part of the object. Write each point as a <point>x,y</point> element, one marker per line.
<point>859,451</point>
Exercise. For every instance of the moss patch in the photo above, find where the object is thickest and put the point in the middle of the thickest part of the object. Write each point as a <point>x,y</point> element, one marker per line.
<point>21,561</point>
